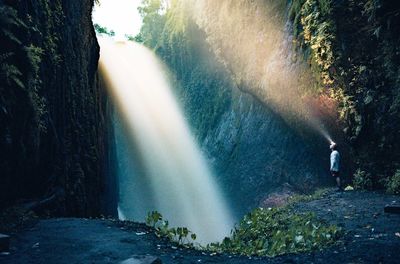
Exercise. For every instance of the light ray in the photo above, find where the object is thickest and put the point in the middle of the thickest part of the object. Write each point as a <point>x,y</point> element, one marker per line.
<point>177,177</point>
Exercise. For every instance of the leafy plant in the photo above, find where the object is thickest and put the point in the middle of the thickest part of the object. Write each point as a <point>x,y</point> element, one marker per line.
<point>393,184</point>
<point>277,231</point>
<point>137,38</point>
<point>362,180</point>
<point>104,30</point>
<point>262,232</point>
<point>308,197</point>
<point>153,218</point>
<point>179,235</point>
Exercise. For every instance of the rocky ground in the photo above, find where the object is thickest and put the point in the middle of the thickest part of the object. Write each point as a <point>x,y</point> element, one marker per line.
<point>372,236</point>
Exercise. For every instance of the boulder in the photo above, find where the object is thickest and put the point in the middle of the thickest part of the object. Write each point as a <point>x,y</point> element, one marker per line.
<point>392,209</point>
<point>142,260</point>
<point>4,243</point>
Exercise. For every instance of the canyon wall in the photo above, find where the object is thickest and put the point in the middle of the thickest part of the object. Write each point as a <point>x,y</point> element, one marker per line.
<point>54,136</point>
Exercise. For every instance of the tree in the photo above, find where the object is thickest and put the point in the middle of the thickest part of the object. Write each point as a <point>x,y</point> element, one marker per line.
<point>103,30</point>
<point>153,15</point>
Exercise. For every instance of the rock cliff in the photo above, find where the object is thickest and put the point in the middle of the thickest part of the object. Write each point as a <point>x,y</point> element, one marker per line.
<point>53,139</point>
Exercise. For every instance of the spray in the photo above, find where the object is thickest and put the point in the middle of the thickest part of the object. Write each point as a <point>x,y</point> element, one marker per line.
<point>259,52</point>
<point>174,178</point>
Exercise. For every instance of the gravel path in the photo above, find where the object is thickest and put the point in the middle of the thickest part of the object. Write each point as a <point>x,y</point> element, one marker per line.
<point>370,238</point>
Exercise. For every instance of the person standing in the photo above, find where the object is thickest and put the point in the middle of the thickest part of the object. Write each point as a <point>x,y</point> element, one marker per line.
<point>335,165</point>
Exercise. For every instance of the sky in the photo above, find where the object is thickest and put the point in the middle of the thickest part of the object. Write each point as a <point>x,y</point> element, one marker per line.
<point>118,15</point>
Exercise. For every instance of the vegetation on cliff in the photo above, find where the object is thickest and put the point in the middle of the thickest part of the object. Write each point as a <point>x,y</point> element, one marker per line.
<point>21,59</point>
<point>179,42</point>
<point>104,30</point>
<point>350,47</point>
<point>53,139</point>
<point>353,47</point>
<point>250,147</point>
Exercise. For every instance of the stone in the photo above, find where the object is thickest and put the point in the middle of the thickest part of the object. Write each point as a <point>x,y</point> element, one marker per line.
<point>392,209</point>
<point>142,260</point>
<point>4,243</point>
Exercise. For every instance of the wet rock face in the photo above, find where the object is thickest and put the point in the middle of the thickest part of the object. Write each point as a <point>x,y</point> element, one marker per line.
<point>251,148</point>
<point>54,136</point>
<point>254,152</point>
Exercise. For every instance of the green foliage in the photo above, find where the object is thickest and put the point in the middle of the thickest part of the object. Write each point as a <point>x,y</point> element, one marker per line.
<point>277,231</point>
<point>10,72</point>
<point>315,31</point>
<point>153,21</point>
<point>179,235</point>
<point>104,30</point>
<point>9,23</point>
<point>54,15</point>
<point>319,35</point>
<point>149,7</point>
<point>362,180</point>
<point>35,57</point>
<point>153,218</point>
<point>307,198</point>
<point>262,232</point>
<point>138,38</point>
<point>393,184</point>
<point>353,49</point>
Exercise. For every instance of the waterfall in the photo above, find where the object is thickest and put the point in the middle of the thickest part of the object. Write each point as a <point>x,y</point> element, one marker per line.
<point>164,170</point>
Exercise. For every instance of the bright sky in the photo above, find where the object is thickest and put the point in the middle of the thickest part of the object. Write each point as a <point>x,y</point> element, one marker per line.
<point>119,15</point>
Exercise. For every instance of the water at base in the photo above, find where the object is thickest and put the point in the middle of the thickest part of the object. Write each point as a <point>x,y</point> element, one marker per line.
<point>168,172</point>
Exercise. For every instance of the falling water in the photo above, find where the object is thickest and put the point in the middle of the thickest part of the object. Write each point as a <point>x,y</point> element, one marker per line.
<point>167,172</point>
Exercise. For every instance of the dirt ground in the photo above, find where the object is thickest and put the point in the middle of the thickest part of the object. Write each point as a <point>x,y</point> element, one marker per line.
<point>371,237</point>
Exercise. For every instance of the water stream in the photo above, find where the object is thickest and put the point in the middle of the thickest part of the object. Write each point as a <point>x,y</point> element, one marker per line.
<point>164,170</point>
